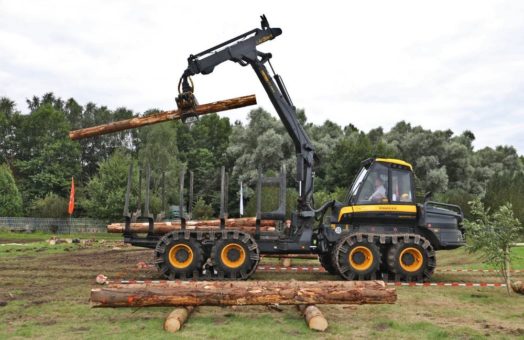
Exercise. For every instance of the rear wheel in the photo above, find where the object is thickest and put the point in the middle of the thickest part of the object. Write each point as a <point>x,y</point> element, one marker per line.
<point>411,259</point>
<point>235,258</point>
<point>327,263</point>
<point>357,258</point>
<point>178,258</point>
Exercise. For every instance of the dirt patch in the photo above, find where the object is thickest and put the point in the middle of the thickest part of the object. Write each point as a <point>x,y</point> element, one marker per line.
<point>19,240</point>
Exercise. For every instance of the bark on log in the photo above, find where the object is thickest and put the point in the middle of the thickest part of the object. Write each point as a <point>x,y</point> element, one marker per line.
<point>293,256</point>
<point>221,293</point>
<point>314,317</point>
<point>136,122</point>
<point>244,224</point>
<point>518,287</point>
<point>285,262</point>
<point>177,318</point>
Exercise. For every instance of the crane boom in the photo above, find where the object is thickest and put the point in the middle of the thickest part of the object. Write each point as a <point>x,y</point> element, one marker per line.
<point>243,50</point>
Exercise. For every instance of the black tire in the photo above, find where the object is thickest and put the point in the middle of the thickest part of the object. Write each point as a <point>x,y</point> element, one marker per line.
<point>177,257</point>
<point>356,257</point>
<point>411,259</point>
<point>327,263</point>
<point>233,258</point>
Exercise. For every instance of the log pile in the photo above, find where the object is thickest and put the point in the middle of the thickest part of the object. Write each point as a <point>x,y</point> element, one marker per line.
<point>246,224</point>
<point>228,293</point>
<point>136,122</point>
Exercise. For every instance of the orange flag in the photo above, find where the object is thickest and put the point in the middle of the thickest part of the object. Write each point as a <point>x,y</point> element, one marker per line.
<point>72,197</point>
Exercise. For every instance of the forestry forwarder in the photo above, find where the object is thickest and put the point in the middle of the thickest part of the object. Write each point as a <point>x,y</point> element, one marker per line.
<point>377,232</point>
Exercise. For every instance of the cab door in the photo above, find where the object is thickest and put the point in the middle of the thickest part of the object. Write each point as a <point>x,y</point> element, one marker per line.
<point>385,197</point>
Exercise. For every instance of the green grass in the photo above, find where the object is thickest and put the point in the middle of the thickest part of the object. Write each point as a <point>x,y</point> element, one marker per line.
<point>461,258</point>
<point>46,289</point>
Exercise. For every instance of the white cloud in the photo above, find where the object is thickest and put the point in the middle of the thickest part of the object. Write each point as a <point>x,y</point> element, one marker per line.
<point>445,64</point>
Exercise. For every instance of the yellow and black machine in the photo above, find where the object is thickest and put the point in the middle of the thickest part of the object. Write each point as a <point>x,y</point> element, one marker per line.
<point>379,231</point>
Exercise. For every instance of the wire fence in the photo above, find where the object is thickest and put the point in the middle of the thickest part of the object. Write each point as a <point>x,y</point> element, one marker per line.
<point>53,225</point>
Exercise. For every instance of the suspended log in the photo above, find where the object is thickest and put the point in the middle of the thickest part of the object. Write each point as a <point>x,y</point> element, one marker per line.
<point>220,293</point>
<point>177,318</point>
<point>314,317</point>
<point>244,224</point>
<point>223,105</point>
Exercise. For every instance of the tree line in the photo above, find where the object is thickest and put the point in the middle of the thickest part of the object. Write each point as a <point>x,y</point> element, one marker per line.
<point>37,160</point>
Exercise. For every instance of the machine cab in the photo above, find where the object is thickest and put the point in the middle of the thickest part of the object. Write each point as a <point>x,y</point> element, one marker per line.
<point>382,193</point>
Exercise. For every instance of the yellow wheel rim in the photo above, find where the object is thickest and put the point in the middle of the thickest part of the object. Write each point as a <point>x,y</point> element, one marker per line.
<point>180,256</point>
<point>233,255</point>
<point>411,259</point>
<point>361,258</point>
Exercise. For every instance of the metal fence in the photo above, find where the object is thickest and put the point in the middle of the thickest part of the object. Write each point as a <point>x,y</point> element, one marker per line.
<point>53,225</point>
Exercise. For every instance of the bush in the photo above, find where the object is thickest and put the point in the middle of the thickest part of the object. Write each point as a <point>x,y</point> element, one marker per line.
<point>51,206</point>
<point>10,198</point>
<point>202,210</point>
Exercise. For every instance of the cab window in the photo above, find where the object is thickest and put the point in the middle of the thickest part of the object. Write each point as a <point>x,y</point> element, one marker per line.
<point>375,187</point>
<point>401,186</point>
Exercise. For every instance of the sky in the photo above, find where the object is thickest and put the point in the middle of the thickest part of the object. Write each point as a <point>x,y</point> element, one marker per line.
<point>440,64</point>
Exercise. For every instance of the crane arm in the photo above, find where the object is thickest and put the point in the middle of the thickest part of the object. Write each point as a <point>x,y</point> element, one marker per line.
<point>243,50</point>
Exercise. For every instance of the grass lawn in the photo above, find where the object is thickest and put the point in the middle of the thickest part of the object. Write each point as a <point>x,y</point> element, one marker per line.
<point>44,293</point>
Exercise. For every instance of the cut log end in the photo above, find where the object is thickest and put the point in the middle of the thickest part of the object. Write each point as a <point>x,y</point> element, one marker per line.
<point>518,287</point>
<point>314,317</point>
<point>177,318</point>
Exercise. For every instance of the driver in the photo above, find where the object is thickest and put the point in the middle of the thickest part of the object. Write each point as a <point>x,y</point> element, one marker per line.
<point>380,190</point>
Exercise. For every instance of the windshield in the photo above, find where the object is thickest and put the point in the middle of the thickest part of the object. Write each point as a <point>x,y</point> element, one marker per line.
<point>356,184</point>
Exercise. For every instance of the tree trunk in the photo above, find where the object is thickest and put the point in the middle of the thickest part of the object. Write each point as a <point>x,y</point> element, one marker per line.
<point>176,318</point>
<point>506,269</point>
<point>220,293</point>
<point>244,224</point>
<point>314,317</point>
<point>136,122</point>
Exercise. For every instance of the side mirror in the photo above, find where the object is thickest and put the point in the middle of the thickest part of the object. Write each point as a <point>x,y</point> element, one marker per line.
<point>428,196</point>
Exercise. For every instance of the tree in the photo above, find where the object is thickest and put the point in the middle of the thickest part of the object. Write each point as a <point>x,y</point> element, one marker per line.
<point>51,206</point>
<point>10,198</point>
<point>506,187</point>
<point>493,234</point>
<point>105,192</point>
<point>202,210</point>
<point>46,158</point>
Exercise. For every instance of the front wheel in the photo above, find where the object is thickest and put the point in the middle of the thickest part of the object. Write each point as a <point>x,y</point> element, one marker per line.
<point>411,259</point>
<point>357,258</point>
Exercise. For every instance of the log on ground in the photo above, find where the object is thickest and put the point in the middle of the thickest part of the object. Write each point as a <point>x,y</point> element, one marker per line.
<point>314,317</point>
<point>136,122</point>
<point>293,256</point>
<point>177,318</point>
<point>222,293</point>
<point>243,224</point>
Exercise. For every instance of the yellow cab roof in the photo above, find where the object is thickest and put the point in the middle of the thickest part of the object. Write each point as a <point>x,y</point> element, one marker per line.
<point>394,161</point>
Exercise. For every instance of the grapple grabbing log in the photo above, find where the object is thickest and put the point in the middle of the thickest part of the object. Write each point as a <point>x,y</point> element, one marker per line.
<point>199,110</point>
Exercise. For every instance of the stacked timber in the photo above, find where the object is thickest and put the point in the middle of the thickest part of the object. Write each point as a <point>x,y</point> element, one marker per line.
<point>246,224</point>
<point>228,293</point>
